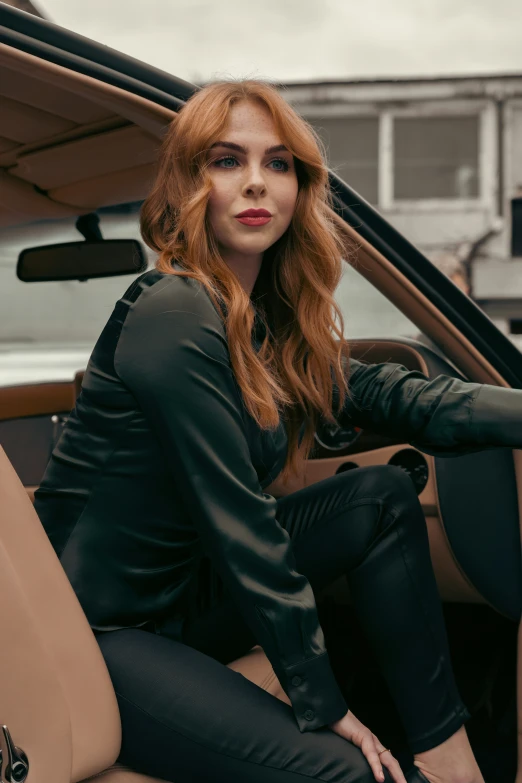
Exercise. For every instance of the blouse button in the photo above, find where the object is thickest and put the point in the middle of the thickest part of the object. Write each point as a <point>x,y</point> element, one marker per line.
<point>296,680</point>
<point>309,715</point>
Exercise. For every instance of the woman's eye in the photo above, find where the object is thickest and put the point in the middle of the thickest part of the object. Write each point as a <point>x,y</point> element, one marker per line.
<point>280,160</point>
<point>285,166</point>
<point>222,160</point>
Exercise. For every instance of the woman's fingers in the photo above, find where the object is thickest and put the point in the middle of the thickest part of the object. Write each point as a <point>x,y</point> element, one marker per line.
<point>353,730</point>
<point>392,765</point>
<point>369,748</point>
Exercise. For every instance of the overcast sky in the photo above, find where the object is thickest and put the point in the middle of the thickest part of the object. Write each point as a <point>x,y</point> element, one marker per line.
<point>294,40</point>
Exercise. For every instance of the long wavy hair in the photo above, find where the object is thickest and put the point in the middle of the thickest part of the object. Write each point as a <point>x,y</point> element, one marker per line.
<point>298,372</point>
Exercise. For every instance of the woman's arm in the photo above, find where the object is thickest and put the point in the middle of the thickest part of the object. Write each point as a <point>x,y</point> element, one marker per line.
<point>173,356</point>
<point>444,417</point>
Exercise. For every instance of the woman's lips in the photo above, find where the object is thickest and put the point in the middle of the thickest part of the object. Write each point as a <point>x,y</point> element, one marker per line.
<point>254,221</point>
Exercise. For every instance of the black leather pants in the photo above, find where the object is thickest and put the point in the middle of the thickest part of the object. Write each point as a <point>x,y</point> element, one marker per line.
<point>186,717</point>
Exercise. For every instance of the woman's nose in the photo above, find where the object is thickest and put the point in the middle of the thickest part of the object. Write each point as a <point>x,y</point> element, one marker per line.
<point>254,177</point>
<point>254,185</point>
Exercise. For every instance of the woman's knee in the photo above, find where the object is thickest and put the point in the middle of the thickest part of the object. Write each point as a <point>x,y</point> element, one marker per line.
<point>389,484</point>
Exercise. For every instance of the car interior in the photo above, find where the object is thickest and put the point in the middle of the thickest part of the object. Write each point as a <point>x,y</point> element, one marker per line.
<point>71,144</point>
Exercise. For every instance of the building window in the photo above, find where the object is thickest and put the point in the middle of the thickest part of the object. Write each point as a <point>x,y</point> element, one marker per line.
<point>436,157</point>
<point>352,145</point>
<point>516,227</point>
<point>515,325</point>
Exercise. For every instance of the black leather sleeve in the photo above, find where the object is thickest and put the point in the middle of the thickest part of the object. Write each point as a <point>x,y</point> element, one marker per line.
<point>444,416</point>
<point>173,356</point>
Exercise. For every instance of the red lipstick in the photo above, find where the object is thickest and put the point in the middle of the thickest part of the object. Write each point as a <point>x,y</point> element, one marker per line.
<point>254,217</point>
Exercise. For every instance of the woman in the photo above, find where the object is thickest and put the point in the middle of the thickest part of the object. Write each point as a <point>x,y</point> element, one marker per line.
<point>205,384</point>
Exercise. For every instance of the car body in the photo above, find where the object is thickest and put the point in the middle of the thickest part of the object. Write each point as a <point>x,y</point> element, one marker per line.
<point>79,134</point>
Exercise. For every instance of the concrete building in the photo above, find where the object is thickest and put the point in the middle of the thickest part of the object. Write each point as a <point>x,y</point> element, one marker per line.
<point>441,158</point>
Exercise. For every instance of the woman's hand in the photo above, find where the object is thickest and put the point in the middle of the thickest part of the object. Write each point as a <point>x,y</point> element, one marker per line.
<point>350,728</point>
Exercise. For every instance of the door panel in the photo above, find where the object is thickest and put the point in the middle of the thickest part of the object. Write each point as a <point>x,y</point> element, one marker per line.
<point>35,399</point>
<point>30,422</point>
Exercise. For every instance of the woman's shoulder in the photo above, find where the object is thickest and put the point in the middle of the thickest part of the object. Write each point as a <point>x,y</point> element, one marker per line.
<point>155,293</point>
<point>168,318</point>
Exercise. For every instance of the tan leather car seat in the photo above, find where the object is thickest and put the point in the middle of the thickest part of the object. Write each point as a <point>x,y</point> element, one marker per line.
<point>57,699</point>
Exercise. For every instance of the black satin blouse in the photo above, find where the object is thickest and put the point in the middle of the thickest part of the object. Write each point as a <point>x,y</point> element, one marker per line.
<point>160,465</point>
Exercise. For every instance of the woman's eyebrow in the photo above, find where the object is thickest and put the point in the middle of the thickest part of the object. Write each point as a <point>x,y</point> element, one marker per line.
<point>231,145</point>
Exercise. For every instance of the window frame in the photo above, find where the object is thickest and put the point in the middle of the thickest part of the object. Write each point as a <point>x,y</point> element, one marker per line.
<point>386,112</point>
<point>487,155</point>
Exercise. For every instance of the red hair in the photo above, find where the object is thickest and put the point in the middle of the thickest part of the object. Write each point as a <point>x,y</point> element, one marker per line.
<point>294,373</point>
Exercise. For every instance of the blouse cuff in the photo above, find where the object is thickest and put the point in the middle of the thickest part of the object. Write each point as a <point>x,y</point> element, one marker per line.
<point>315,695</point>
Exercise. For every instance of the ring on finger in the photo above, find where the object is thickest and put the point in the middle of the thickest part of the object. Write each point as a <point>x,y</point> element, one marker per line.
<point>384,750</point>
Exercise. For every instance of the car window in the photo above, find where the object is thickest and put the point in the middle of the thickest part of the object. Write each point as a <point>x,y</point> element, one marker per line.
<point>367,312</point>
<point>48,329</point>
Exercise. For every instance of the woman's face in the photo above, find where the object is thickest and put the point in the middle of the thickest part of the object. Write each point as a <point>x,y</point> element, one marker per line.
<point>253,177</point>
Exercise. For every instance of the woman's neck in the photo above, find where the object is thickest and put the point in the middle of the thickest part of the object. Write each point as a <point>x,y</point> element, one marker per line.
<point>246,270</point>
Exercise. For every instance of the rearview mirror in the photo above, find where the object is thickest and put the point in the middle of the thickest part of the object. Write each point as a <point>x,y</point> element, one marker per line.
<point>81,260</point>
